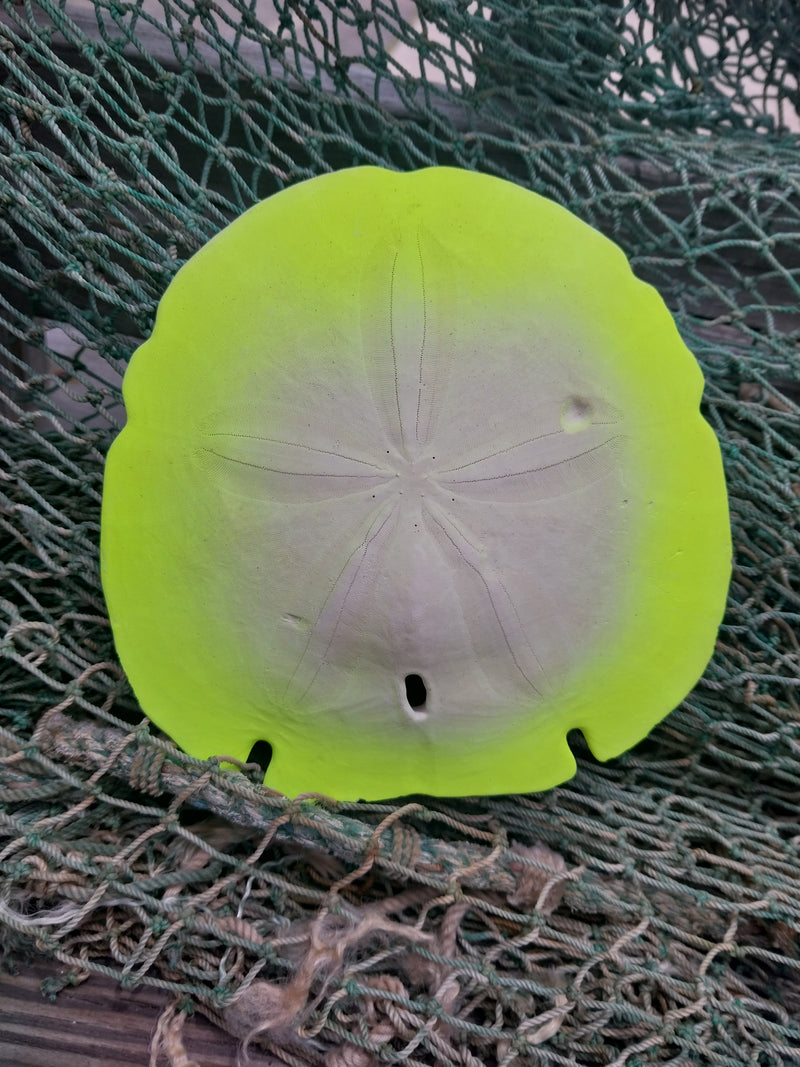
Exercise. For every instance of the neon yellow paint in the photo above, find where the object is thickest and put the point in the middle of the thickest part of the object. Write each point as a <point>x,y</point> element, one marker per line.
<point>413,424</point>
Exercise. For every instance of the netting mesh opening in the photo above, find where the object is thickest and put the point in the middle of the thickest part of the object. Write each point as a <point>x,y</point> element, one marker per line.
<point>645,912</point>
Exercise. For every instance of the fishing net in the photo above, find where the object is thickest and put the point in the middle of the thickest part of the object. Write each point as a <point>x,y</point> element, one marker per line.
<point>648,911</point>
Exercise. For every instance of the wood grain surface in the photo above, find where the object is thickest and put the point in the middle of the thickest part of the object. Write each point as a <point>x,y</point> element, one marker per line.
<point>96,1024</point>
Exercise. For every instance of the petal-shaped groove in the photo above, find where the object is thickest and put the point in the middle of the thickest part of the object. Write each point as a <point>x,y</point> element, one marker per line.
<point>407,369</point>
<point>498,609</point>
<point>348,597</point>
<point>539,469</point>
<point>286,471</point>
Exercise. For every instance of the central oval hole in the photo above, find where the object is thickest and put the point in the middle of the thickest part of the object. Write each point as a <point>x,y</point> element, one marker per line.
<point>416,692</point>
<point>261,753</point>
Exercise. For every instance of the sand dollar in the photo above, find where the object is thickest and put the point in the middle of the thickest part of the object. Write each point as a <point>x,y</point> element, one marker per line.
<point>414,481</point>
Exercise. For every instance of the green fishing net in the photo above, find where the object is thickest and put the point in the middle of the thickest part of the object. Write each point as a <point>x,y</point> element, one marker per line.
<point>648,911</point>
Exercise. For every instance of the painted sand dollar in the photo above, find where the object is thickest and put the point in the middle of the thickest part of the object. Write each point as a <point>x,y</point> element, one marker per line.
<point>414,482</point>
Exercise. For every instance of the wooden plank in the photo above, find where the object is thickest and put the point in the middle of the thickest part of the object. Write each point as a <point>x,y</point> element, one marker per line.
<point>96,1024</point>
